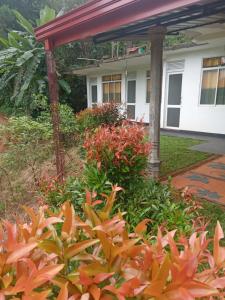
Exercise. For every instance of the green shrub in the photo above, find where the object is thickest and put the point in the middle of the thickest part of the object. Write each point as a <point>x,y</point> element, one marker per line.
<point>148,200</point>
<point>74,189</point>
<point>157,202</point>
<point>27,141</point>
<point>68,126</point>
<point>121,152</point>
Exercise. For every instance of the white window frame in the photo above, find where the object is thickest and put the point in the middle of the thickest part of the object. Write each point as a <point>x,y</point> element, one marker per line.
<point>112,81</point>
<point>202,72</point>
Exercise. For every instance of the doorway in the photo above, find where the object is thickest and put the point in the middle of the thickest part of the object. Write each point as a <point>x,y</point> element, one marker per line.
<point>174,97</point>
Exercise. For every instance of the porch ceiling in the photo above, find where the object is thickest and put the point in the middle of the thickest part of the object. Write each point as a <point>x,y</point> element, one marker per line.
<point>106,20</point>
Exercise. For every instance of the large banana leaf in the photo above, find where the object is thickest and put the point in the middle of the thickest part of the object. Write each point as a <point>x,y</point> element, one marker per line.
<point>47,14</point>
<point>24,22</point>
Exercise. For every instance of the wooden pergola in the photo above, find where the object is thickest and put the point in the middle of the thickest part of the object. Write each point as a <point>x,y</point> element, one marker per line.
<point>108,20</point>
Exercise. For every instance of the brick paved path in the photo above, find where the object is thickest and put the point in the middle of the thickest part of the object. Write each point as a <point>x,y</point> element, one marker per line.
<point>206,181</point>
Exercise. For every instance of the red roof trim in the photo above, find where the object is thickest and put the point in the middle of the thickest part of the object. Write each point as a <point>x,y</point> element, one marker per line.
<point>104,15</point>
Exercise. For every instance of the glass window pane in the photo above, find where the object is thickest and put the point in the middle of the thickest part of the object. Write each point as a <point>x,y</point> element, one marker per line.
<point>131,112</point>
<point>116,77</point>
<point>94,93</point>
<point>148,95</point>
<point>209,84</point>
<point>220,99</point>
<point>105,92</point>
<point>173,117</point>
<point>111,92</point>
<point>211,62</point>
<point>118,92</point>
<point>107,78</point>
<point>175,87</point>
<point>131,94</point>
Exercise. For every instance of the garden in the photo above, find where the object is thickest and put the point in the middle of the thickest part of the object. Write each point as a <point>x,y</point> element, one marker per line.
<point>106,231</point>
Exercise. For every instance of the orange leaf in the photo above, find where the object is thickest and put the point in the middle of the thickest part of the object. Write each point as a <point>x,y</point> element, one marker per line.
<point>45,274</point>
<point>69,223</point>
<point>21,252</point>
<point>79,247</point>
<point>218,252</point>
<point>63,295</point>
<point>2,297</point>
<point>102,277</point>
<point>50,221</point>
<point>95,292</point>
<point>141,227</point>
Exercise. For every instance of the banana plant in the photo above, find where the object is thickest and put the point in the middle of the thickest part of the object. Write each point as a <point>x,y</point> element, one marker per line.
<point>22,63</point>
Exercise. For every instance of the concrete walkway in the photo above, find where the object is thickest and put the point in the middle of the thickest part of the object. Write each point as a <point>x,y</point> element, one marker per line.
<point>211,144</point>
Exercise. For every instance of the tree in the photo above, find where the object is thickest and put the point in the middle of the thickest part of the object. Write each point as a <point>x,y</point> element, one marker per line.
<point>22,65</point>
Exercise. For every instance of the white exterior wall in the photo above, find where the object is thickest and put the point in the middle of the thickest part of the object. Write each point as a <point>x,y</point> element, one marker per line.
<point>196,117</point>
<point>193,116</point>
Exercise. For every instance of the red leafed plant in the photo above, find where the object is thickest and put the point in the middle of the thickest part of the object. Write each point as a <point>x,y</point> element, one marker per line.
<point>106,114</point>
<point>121,152</point>
<point>59,256</point>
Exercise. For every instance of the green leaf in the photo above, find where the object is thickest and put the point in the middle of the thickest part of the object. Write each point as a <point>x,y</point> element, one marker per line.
<point>4,42</point>
<point>65,86</point>
<point>13,41</point>
<point>46,15</point>
<point>23,22</point>
<point>28,77</point>
<point>25,42</point>
<point>24,58</point>
<point>6,78</point>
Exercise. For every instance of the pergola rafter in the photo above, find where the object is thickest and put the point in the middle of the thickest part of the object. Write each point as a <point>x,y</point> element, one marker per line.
<point>108,20</point>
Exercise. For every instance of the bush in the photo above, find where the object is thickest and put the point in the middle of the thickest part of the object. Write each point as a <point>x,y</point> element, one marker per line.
<point>68,125</point>
<point>157,202</point>
<point>55,193</point>
<point>92,118</point>
<point>28,142</point>
<point>60,256</point>
<point>121,152</point>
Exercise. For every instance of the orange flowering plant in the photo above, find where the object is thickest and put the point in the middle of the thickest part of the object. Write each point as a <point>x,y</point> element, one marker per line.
<point>61,256</point>
<point>121,152</point>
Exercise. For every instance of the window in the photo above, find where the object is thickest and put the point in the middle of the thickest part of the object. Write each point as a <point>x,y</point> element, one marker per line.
<point>148,89</point>
<point>131,96</point>
<point>111,85</point>
<point>213,81</point>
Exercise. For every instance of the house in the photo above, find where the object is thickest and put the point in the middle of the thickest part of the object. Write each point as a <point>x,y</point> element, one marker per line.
<point>193,85</point>
<point>112,20</point>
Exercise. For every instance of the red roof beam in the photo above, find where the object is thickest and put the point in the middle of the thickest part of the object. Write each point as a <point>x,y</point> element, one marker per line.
<point>104,15</point>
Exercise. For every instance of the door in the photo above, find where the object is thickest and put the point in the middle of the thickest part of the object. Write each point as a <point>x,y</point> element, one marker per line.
<point>93,92</point>
<point>174,100</point>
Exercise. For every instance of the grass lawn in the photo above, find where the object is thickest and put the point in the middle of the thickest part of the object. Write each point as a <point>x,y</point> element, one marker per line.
<point>176,155</point>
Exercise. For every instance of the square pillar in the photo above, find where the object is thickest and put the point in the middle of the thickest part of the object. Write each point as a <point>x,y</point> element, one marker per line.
<point>157,35</point>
